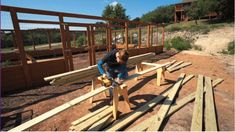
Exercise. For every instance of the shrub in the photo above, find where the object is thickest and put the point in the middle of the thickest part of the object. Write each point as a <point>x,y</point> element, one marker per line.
<point>197,47</point>
<point>180,44</point>
<point>231,48</point>
<point>167,44</point>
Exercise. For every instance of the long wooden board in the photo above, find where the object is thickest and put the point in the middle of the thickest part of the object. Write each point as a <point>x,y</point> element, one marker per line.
<point>101,123</point>
<point>174,65</point>
<point>154,64</point>
<point>178,105</point>
<point>86,124</point>
<point>210,113</point>
<point>196,124</point>
<point>73,102</point>
<point>180,66</point>
<point>89,115</point>
<point>140,111</point>
<point>159,117</point>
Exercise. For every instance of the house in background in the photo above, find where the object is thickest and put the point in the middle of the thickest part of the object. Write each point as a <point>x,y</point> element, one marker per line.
<point>181,11</point>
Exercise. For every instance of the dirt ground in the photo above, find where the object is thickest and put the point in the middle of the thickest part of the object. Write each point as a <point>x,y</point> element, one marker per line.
<point>20,107</point>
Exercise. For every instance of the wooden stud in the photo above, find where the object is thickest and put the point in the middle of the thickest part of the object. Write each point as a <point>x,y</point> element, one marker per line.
<point>196,124</point>
<point>74,39</point>
<point>115,102</point>
<point>148,36</point>
<point>101,123</point>
<point>32,39</point>
<point>86,124</point>
<point>20,45</point>
<point>175,65</point>
<point>88,116</point>
<point>163,36</point>
<point>139,37</point>
<point>93,83</point>
<point>69,50</point>
<point>210,113</point>
<point>159,76</point>
<point>13,39</point>
<point>93,45</point>
<point>63,39</point>
<point>180,66</point>
<point>159,117</point>
<point>126,35</point>
<point>138,68</point>
<point>89,45</point>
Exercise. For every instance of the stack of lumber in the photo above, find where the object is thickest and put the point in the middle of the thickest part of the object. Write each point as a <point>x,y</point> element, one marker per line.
<point>104,119</point>
<point>90,72</point>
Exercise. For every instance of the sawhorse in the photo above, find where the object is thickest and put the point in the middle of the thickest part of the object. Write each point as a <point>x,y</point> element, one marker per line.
<point>160,72</point>
<point>118,90</point>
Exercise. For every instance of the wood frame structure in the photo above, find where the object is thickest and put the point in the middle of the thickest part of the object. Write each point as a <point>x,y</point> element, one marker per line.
<point>67,49</point>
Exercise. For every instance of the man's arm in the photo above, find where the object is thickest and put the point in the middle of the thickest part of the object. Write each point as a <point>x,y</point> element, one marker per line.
<point>123,72</point>
<point>100,68</point>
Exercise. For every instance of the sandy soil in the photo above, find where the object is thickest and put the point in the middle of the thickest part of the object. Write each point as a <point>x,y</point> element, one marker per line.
<point>20,107</point>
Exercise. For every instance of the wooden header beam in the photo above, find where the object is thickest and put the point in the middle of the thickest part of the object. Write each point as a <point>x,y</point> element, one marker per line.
<point>54,13</point>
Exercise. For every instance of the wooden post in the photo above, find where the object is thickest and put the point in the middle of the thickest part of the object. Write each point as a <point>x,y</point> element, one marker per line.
<point>157,35</point>
<point>107,39</point>
<point>89,45</point>
<point>63,39</point>
<point>163,35</point>
<point>115,39</point>
<point>126,35</point>
<point>148,36</point>
<point>20,45</point>
<point>74,39</point>
<point>32,39</point>
<point>69,50</point>
<point>151,40</point>
<point>49,38</point>
<point>110,37</point>
<point>139,37</point>
<point>131,42</point>
<point>93,45</point>
<point>14,39</point>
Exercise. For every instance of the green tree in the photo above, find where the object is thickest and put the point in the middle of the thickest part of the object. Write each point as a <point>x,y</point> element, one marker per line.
<point>201,8</point>
<point>159,15</point>
<point>115,11</point>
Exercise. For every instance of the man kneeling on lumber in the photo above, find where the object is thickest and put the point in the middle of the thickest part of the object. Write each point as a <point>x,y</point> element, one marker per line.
<point>115,62</point>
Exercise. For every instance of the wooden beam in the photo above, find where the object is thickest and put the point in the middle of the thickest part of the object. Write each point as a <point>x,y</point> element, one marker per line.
<point>63,39</point>
<point>178,105</point>
<point>159,117</point>
<point>154,64</point>
<point>140,111</point>
<point>174,65</point>
<point>93,45</point>
<point>126,35</point>
<point>210,113</point>
<point>196,124</point>
<point>139,37</point>
<point>86,124</point>
<point>88,116</point>
<point>101,123</point>
<point>180,66</point>
<point>49,38</point>
<point>89,45</point>
<point>69,50</point>
<point>20,45</point>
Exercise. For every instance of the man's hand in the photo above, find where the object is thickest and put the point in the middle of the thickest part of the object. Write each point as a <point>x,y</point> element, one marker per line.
<point>119,81</point>
<point>104,75</point>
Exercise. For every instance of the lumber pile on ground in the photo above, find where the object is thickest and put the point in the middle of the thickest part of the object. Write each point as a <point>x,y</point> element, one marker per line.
<point>91,71</point>
<point>168,107</point>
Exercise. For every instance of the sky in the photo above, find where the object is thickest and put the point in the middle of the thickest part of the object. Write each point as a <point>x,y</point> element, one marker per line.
<point>134,8</point>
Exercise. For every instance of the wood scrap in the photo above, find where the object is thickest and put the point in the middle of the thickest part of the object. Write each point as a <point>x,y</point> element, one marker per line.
<point>101,123</point>
<point>175,64</point>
